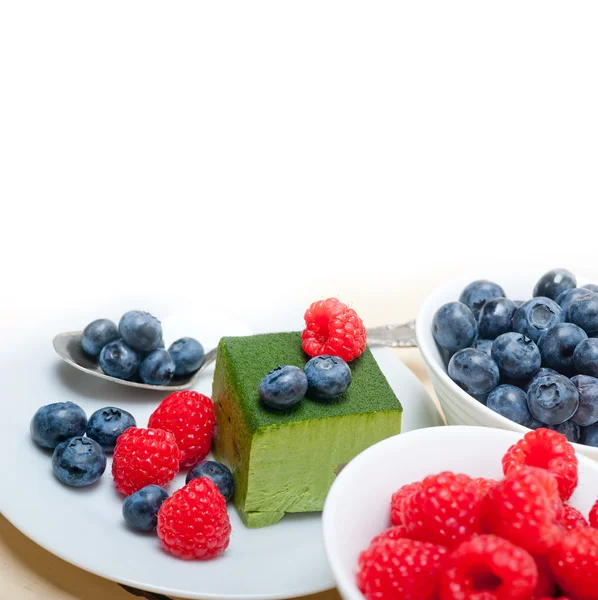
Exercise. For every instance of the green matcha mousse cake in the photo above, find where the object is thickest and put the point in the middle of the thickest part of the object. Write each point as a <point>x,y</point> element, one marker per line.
<point>285,462</point>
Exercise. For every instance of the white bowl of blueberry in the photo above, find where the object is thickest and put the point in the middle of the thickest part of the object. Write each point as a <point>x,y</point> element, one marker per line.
<point>500,359</point>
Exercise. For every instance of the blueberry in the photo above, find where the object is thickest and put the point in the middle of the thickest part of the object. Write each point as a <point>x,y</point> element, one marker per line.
<point>119,360</point>
<point>140,330</point>
<point>157,368</point>
<point>454,327</point>
<point>187,354</point>
<point>584,312</point>
<point>483,346</point>
<point>535,424</point>
<point>143,355</point>
<point>140,510</point>
<point>78,461</point>
<point>517,356</point>
<point>536,316</point>
<point>510,402</point>
<point>97,334</point>
<point>283,387</point>
<point>496,317</point>
<point>553,283</point>
<point>585,357</point>
<point>474,371</point>
<point>587,388</point>
<point>552,399</point>
<point>475,295</point>
<point>557,346</point>
<point>539,373</point>
<point>55,423</point>
<point>328,377</point>
<point>220,474</point>
<point>569,429</point>
<point>592,287</point>
<point>589,435</point>
<point>566,298</point>
<point>106,424</point>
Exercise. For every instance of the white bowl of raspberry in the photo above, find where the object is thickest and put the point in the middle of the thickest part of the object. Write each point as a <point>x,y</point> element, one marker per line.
<point>461,408</point>
<point>358,509</point>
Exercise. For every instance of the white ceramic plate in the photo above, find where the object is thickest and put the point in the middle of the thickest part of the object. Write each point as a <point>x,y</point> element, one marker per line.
<point>85,526</point>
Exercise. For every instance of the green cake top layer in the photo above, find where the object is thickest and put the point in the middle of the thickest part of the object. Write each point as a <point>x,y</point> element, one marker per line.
<point>248,359</point>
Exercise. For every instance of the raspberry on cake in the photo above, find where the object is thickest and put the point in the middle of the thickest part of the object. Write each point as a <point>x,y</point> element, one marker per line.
<point>286,461</point>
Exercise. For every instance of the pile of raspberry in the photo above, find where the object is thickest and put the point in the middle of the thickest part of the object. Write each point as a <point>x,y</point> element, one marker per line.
<point>455,537</point>
<point>193,522</point>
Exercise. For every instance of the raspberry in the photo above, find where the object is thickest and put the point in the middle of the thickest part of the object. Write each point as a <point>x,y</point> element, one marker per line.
<point>594,515</point>
<point>525,509</point>
<point>574,562</point>
<point>193,522</point>
<point>331,327</point>
<point>399,498</point>
<point>572,518</point>
<point>190,417</point>
<point>484,485</point>
<point>546,585</point>
<point>489,568</point>
<point>402,568</point>
<point>548,450</point>
<point>445,511</point>
<point>393,533</point>
<point>142,457</point>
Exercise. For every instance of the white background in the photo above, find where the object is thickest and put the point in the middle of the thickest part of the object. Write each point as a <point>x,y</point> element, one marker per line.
<point>252,152</point>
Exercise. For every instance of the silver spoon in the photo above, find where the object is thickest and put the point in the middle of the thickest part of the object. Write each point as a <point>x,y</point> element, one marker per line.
<point>68,347</point>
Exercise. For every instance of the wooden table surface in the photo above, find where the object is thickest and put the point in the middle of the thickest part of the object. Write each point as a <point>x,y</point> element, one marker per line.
<point>28,572</point>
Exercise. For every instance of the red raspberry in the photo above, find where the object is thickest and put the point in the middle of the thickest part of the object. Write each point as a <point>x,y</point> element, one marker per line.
<point>574,562</point>
<point>546,449</point>
<point>594,515</point>
<point>546,585</point>
<point>445,511</point>
<point>142,457</point>
<point>190,417</point>
<point>403,569</point>
<point>393,533</point>
<point>331,327</point>
<point>525,509</point>
<point>572,518</point>
<point>399,498</point>
<point>489,568</point>
<point>193,522</point>
<point>484,485</point>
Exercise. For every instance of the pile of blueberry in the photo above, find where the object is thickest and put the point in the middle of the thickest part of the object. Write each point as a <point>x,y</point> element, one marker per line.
<point>534,362</point>
<point>136,349</point>
<point>324,378</point>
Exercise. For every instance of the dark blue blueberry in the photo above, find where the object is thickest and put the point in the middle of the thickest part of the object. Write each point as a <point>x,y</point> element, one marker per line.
<point>592,287</point>
<point>539,373</point>
<point>454,327</point>
<point>589,436</point>
<point>510,402</point>
<point>552,399</point>
<point>496,318</point>
<point>140,330</point>
<point>143,355</point>
<point>187,354</point>
<point>517,356</point>
<point>566,298</point>
<point>535,424</point>
<point>483,345</point>
<point>587,388</point>
<point>220,474</point>
<point>474,371</point>
<point>477,293</point>
<point>157,368</point>
<point>536,316</point>
<point>585,357</point>
<point>569,429</point>
<point>140,510</point>
<point>328,377</point>
<point>283,387</point>
<point>55,423</point>
<point>557,346</point>
<point>97,334</point>
<point>555,282</point>
<point>584,312</point>
<point>78,461</point>
<point>106,424</point>
<point>119,360</point>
